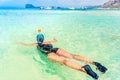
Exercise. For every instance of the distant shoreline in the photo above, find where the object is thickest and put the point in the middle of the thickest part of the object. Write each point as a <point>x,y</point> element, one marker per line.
<point>107,9</point>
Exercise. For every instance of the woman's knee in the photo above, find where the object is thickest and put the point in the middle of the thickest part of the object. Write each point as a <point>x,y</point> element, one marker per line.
<point>64,61</point>
<point>74,56</point>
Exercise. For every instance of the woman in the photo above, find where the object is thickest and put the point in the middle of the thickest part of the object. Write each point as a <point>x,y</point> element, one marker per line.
<point>60,55</point>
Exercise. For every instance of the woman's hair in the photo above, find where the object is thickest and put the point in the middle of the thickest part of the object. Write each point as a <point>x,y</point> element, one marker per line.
<point>39,30</point>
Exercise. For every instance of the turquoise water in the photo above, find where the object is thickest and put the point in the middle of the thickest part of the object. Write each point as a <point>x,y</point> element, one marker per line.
<point>93,34</point>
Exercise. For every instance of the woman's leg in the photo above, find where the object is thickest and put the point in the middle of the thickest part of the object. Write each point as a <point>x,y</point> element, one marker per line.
<point>86,68</point>
<point>57,58</point>
<point>64,53</point>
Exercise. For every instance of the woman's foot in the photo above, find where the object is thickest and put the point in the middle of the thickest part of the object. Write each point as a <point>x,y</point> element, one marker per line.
<point>90,72</point>
<point>100,67</point>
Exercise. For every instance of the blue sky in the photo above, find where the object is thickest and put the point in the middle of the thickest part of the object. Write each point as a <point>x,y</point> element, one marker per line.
<point>62,3</point>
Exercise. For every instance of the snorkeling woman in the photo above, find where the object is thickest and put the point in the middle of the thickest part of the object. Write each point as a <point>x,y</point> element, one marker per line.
<point>60,55</point>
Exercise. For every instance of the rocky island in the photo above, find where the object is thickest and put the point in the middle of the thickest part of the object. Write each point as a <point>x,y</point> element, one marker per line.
<point>31,6</point>
<point>111,4</point>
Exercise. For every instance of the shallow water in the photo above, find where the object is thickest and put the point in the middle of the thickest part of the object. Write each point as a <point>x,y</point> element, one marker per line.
<point>93,34</point>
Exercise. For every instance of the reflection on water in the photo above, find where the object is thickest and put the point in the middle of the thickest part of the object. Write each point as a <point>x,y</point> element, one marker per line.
<point>93,34</point>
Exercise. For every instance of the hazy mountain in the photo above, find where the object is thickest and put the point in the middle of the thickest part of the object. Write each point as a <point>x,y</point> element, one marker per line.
<point>112,4</point>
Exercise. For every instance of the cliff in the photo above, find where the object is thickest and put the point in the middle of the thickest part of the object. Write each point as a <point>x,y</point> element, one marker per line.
<point>111,4</point>
<point>30,6</point>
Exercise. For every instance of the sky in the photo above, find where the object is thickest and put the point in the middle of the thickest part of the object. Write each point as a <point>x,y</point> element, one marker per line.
<point>61,3</point>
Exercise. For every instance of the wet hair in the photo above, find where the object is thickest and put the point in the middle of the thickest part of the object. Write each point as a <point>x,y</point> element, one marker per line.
<point>40,38</point>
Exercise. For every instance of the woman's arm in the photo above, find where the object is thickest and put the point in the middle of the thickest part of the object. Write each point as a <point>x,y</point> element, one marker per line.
<point>49,42</point>
<point>27,44</point>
